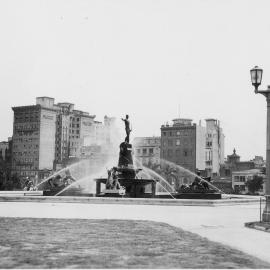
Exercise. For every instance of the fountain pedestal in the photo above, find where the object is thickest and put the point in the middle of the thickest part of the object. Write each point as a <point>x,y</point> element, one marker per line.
<point>123,181</point>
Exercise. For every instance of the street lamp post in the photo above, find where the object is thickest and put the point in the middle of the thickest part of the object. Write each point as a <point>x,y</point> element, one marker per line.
<point>256,79</point>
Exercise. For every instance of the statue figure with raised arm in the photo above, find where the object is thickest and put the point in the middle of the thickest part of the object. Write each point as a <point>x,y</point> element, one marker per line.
<point>127,127</point>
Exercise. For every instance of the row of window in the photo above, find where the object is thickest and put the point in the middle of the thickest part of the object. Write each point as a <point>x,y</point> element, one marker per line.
<point>30,118</point>
<point>25,146</point>
<point>26,173</point>
<point>171,142</point>
<point>24,153</point>
<point>242,178</point>
<point>26,133</point>
<point>239,178</point>
<point>171,133</point>
<point>25,160</point>
<point>25,167</point>
<point>73,131</point>
<point>73,119</point>
<point>144,151</point>
<point>74,125</point>
<point>176,133</point>
<point>25,140</point>
<point>177,153</point>
<point>26,127</point>
<point>150,142</point>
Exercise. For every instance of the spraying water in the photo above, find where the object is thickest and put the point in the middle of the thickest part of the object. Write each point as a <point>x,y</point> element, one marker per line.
<point>70,167</point>
<point>161,181</point>
<point>179,171</point>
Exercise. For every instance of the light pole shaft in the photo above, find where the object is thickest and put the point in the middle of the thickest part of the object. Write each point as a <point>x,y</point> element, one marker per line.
<point>268,147</point>
<point>266,213</point>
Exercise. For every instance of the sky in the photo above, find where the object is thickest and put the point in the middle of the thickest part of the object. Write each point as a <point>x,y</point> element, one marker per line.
<point>151,59</point>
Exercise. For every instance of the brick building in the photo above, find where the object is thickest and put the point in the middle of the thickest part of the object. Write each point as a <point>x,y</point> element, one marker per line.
<point>184,144</point>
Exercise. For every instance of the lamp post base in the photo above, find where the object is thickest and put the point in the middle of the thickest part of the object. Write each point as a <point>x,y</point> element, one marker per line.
<point>266,216</point>
<point>266,211</point>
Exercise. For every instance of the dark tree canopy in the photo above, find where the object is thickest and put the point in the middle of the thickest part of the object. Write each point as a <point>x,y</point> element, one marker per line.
<point>255,184</point>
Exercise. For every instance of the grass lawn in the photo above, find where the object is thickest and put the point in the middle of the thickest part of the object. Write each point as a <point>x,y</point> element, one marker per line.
<point>66,243</point>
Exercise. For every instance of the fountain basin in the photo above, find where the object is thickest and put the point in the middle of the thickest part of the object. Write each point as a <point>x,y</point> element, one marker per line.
<point>195,195</point>
<point>134,188</point>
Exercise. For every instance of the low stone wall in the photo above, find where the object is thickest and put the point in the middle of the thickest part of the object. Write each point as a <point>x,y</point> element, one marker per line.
<point>138,201</point>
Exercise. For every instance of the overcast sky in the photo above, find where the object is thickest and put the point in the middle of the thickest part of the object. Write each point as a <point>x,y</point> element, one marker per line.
<point>143,58</point>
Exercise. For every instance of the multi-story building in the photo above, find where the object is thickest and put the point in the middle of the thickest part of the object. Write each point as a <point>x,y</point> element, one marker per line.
<point>62,136</point>
<point>184,144</point>
<point>34,130</point>
<point>82,131</point>
<point>214,149</point>
<point>147,150</point>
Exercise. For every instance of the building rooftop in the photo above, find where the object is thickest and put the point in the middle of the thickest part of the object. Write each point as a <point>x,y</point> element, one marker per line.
<point>46,97</point>
<point>179,122</point>
<point>210,119</point>
<point>251,171</point>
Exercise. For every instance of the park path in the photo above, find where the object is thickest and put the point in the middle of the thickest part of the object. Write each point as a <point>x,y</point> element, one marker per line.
<point>223,224</point>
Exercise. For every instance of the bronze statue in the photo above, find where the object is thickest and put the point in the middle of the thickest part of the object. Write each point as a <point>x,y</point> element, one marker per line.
<point>127,127</point>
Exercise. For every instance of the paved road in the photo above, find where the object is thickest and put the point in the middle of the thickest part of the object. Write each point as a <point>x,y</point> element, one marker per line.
<point>223,224</point>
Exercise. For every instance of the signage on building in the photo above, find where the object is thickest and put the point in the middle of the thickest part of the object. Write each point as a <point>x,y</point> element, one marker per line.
<point>48,117</point>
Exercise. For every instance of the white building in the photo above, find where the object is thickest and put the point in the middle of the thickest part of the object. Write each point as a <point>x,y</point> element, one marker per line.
<point>3,149</point>
<point>147,150</point>
<point>239,179</point>
<point>214,148</point>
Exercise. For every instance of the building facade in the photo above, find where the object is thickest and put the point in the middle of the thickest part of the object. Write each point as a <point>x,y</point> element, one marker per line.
<point>259,162</point>
<point>82,131</point>
<point>5,164</point>
<point>147,150</point>
<point>184,144</point>
<point>34,132</point>
<point>239,179</point>
<point>214,148</point>
<point>4,146</point>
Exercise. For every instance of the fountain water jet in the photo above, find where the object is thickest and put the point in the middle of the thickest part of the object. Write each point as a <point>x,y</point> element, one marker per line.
<point>192,174</point>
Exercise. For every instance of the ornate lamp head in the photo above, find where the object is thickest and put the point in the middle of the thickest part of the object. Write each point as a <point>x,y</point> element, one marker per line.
<point>256,77</point>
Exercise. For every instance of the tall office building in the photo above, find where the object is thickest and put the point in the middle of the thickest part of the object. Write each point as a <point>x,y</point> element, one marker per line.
<point>34,130</point>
